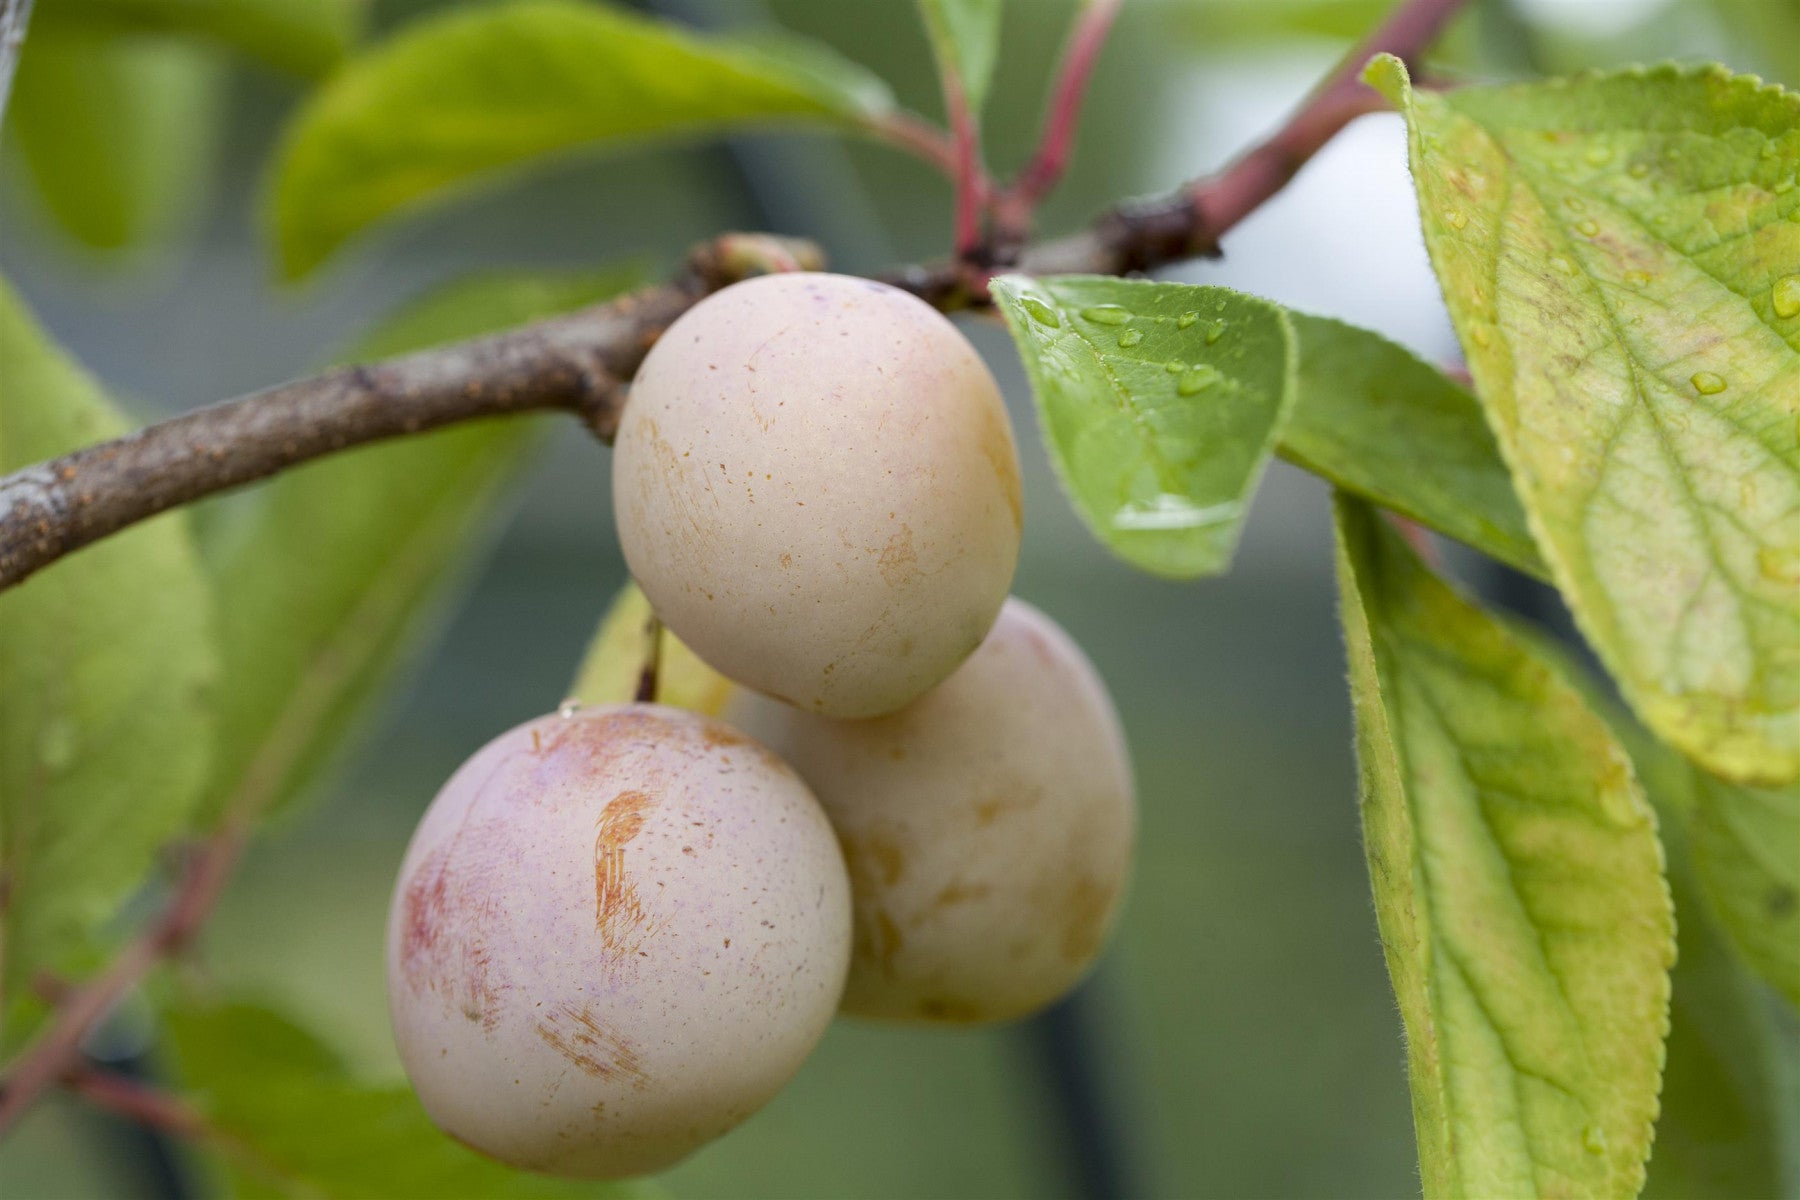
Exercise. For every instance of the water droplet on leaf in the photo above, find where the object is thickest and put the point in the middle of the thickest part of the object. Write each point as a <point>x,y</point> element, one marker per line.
<point>1454,218</point>
<point>1638,170</point>
<point>1786,296</point>
<point>1169,511</point>
<point>1594,1138</point>
<point>1588,227</point>
<point>1214,331</point>
<point>1131,337</point>
<point>1174,366</point>
<point>1107,314</point>
<point>1597,155</point>
<point>1197,379</point>
<point>568,708</point>
<point>1562,264</point>
<point>1186,320</point>
<point>1707,383</point>
<point>1040,312</point>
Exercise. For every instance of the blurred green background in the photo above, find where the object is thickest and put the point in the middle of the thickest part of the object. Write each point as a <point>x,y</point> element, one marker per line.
<point>1239,1038</point>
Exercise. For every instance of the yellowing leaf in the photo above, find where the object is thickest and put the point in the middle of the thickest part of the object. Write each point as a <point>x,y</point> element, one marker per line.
<point>1518,887</point>
<point>1621,257</point>
<point>614,664</point>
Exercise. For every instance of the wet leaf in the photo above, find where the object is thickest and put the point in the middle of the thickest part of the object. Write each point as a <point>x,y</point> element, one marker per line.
<point>1518,888</point>
<point>1621,258</point>
<point>1160,403</point>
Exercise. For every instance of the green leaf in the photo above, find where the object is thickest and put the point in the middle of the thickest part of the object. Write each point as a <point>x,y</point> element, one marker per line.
<point>106,659</point>
<point>339,570</point>
<point>458,99</point>
<point>1160,403</point>
<point>1518,888</point>
<point>1746,844</point>
<point>304,37</point>
<point>965,40</point>
<point>614,663</point>
<point>291,1120</point>
<point>1730,1123</point>
<point>1619,253</point>
<point>120,134</point>
<point>1376,421</point>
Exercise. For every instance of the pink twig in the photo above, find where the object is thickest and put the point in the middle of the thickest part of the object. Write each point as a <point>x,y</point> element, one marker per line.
<point>971,175</point>
<point>141,1102</point>
<point>920,138</point>
<point>58,1048</point>
<point>1229,197</point>
<point>1057,142</point>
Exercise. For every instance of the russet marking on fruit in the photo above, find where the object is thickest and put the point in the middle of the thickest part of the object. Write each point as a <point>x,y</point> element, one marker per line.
<point>618,913</point>
<point>578,1037</point>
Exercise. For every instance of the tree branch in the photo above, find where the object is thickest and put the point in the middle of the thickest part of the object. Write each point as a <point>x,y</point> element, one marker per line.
<point>581,362</point>
<point>1057,141</point>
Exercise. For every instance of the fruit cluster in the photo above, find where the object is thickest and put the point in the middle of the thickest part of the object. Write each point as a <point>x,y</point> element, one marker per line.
<point>619,931</point>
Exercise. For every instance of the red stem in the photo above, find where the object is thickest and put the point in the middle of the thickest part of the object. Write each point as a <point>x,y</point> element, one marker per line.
<point>1235,193</point>
<point>920,138</point>
<point>1057,142</point>
<point>970,175</point>
<point>141,1102</point>
<point>50,1056</point>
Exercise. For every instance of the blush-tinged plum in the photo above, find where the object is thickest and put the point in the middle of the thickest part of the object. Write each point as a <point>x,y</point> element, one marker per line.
<point>615,935</point>
<point>988,826</point>
<point>816,486</point>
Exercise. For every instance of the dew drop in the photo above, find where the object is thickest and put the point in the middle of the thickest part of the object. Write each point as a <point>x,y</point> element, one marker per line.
<point>1597,156</point>
<point>1040,312</point>
<point>1131,337</point>
<point>1197,379</point>
<point>1481,336</point>
<point>1186,320</point>
<point>1214,331</point>
<point>1779,564</point>
<point>1562,264</point>
<point>1588,227</point>
<point>568,708</point>
<point>1786,296</point>
<point>1638,170</point>
<point>1573,203</point>
<point>1454,218</point>
<point>1169,511</point>
<point>1107,314</point>
<point>1708,383</point>
<point>1594,1138</point>
<point>1174,366</point>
